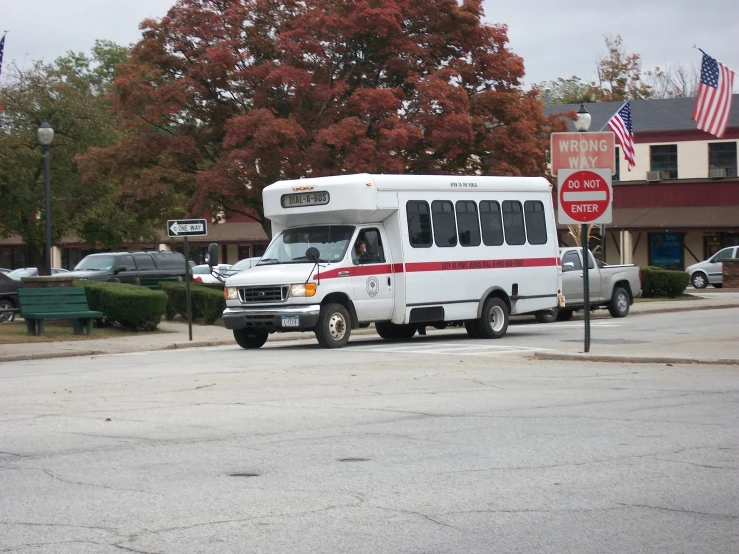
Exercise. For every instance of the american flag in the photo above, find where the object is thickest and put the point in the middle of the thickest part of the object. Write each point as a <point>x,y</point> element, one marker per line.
<point>712,106</point>
<point>620,124</point>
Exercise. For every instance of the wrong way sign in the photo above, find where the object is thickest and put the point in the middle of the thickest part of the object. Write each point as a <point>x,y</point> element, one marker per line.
<point>585,196</point>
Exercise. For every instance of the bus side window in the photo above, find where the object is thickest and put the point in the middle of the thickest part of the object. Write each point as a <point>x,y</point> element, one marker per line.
<point>536,225</point>
<point>513,223</point>
<point>468,224</point>
<point>419,223</point>
<point>445,228</point>
<point>492,225</point>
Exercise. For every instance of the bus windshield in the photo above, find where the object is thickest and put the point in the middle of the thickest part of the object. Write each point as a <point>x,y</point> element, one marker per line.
<point>292,245</point>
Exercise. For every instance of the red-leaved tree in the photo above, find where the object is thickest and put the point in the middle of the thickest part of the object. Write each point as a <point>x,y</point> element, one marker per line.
<point>224,97</point>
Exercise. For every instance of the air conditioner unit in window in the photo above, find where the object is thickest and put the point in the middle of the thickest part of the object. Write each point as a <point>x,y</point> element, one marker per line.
<point>654,176</point>
<point>717,172</point>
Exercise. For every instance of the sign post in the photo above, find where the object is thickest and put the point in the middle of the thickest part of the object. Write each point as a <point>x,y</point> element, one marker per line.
<point>585,197</point>
<point>187,228</point>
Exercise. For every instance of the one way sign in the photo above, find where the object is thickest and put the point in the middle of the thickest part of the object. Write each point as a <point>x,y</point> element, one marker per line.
<point>186,227</point>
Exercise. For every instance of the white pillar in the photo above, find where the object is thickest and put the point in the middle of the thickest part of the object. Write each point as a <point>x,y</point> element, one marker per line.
<point>627,248</point>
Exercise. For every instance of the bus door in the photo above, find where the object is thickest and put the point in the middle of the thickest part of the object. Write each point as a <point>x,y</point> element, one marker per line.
<point>371,275</point>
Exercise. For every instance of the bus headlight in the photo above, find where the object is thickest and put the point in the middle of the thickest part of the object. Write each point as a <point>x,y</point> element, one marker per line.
<point>231,293</point>
<point>305,289</point>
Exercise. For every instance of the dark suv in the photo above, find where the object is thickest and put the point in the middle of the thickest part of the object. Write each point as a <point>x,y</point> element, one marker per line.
<point>130,267</point>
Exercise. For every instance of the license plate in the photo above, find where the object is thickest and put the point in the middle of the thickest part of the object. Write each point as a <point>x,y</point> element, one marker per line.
<point>290,321</point>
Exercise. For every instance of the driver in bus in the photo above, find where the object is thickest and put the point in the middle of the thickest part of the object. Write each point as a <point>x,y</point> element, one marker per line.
<point>360,252</point>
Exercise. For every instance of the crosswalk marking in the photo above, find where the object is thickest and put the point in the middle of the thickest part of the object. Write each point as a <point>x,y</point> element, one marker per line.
<point>448,349</point>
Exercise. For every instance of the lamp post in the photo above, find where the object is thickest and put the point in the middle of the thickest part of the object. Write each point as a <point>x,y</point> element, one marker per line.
<point>45,136</point>
<point>582,124</point>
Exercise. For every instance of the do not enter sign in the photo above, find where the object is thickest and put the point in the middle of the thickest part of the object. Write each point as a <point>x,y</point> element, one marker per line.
<point>585,196</point>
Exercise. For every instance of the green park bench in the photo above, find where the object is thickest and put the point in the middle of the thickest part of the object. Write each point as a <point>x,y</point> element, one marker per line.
<point>37,305</point>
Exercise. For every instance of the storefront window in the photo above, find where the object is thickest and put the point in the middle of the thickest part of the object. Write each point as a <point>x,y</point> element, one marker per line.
<point>666,250</point>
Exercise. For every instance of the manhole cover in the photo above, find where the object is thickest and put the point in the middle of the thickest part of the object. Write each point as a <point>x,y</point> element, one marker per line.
<point>245,474</point>
<point>353,460</point>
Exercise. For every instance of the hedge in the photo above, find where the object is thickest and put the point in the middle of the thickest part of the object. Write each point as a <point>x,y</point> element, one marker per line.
<point>207,300</point>
<point>129,306</point>
<point>658,282</point>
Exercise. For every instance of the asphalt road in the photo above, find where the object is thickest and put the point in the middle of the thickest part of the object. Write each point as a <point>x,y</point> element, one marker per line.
<point>442,445</point>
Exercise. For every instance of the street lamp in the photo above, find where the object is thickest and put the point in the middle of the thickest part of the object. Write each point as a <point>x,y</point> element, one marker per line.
<point>45,136</point>
<point>582,124</point>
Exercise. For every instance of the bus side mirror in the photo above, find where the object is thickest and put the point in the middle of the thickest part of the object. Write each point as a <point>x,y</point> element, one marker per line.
<point>211,258</point>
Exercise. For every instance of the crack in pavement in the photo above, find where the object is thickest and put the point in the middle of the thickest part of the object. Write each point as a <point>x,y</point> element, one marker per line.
<point>38,544</point>
<point>727,516</point>
<point>57,478</point>
<point>730,468</point>
<point>419,514</point>
<point>69,525</point>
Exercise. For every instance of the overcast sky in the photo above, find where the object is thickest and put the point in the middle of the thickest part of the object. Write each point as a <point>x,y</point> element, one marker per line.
<point>555,39</point>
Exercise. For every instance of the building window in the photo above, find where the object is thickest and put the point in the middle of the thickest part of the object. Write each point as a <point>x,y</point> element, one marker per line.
<point>616,175</point>
<point>445,228</point>
<point>468,223</point>
<point>664,158</point>
<point>723,155</point>
<point>419,223</point>
<point>513,223</point>
<point>492,224</point>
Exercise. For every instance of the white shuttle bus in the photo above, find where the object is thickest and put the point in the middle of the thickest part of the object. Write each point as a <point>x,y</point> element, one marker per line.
<point>400,251</point>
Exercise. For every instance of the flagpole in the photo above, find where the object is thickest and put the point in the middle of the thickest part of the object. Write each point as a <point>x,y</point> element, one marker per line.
<point>614,113</point>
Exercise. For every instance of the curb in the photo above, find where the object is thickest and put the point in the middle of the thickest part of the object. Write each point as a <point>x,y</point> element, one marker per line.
<point>582,357</point>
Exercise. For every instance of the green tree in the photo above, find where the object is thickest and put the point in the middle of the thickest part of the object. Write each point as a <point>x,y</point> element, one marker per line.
<point>570,91</point>
<point>228,96</point>
<point>73,95</point>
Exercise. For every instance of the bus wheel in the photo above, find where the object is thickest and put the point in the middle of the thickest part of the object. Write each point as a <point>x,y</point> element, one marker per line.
<point>472,330</point>
<point>494,321</point>
<point>250,338</point>
<point>334,326</point>
<point>547,316</point>
<point>393,331</point>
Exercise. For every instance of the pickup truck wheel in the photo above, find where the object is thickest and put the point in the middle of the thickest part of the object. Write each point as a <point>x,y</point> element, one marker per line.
<point>699,280</point>
<point>6,313</point>
<point>565,315</point>
<point>546,316</point>
<point>393,331</point>
<point>250,338</point>
<point>334,326</point>
<point>619,306</point>
<point>493,323</point>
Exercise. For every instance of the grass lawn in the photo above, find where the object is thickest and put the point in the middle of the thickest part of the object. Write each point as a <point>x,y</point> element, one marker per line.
<point>55,331</point>
<point>663,299</point>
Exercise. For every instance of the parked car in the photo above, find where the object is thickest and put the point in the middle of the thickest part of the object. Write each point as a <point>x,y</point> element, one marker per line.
<point>5,270</point>
<point>241,265</point>
<point>610,286</point>
<point>130,267</point>
<point>8,298</point>
<point>203,273</point>
<point>21,272</point>
<point>710,271</point>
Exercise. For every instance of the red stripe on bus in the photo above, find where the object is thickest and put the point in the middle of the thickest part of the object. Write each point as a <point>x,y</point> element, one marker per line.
<point>359,271</point>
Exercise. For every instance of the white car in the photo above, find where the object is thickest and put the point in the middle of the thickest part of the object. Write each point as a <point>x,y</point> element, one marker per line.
<point>241,265</point>
<point>710,271</point>
<point>203,274</point>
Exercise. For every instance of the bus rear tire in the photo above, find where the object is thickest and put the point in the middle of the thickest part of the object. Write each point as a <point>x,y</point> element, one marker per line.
<point>493,322</point>
<point>392,331</point>
<point>471,327</point>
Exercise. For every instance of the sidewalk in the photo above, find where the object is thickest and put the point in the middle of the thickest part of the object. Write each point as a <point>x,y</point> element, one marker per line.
<point>175,335</point>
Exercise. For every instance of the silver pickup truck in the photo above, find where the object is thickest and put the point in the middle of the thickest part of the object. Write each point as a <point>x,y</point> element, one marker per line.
<point>611,286</point>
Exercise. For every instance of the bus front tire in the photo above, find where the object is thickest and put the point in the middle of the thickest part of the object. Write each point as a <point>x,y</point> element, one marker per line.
<point>250,338</point>
<point>334,326</point>
<point>493,322</point>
